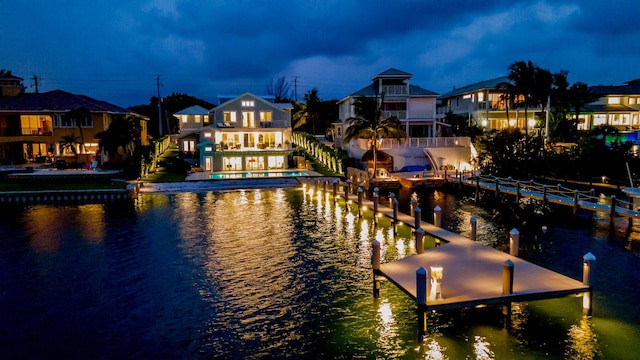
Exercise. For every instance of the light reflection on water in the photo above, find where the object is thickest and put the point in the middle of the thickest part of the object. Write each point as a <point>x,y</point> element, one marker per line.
<point>264,274</point>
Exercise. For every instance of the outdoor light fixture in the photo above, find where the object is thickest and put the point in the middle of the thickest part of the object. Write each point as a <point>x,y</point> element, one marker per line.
<point>436,283</point>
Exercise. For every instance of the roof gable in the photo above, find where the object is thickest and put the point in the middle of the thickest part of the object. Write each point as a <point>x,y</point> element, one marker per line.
<point>248,96</point>
<point>485,84</point>
<point>193,110</point>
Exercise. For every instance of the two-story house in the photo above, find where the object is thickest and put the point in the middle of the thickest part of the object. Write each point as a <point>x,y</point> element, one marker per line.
<point>247,133</point>
<point>35,126</point>
<point>617,105</point>
<point>191,120</point>
<point>414,106</point>
<point>484,104</point>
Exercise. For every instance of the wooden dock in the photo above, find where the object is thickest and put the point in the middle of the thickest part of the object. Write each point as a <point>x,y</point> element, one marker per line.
<point>473,273</point>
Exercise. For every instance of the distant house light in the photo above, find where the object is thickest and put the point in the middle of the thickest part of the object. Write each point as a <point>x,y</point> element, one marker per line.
<point>184,118</point>
<point>208,148</point>
<point>248,103</point>
<point>207,134</point>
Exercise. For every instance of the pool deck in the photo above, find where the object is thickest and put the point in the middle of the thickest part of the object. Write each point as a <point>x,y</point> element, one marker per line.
<point>472,272</point>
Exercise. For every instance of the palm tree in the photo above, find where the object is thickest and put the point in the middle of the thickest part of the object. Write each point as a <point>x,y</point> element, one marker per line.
<point>78,115</point>
<point>69,142</point>
<point>370,123</point>
<point>119,140</point>
<point>522,76</point>
<point>309,112</point>
<point>579,96</point>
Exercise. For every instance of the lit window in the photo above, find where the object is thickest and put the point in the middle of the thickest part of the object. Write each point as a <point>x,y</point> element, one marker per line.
<point>208,148</point>
<point>184,118</point>
<point>207,135</point>
<point>248,103</point>
<point>613,100</point>
<point>599,119</point>
<point>229,116</point>
<point>480,96</point>
<point>206,118</point>
<point>466,96</point>
<point>265,116</point>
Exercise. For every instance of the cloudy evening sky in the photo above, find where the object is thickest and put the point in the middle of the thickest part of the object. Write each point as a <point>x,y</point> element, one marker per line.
<point>113,50</point>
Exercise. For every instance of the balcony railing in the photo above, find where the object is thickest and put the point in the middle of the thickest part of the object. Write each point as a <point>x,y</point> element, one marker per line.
<point>12,131</point>
<point>400,114</point>
<point>429,142</point>
<point>395,89</point>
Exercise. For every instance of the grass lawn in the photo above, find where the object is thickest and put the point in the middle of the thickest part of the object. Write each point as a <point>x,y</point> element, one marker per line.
<point>163,172</point>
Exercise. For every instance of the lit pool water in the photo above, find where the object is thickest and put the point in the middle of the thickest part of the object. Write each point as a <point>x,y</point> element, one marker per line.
<point>277,274</point>
<point>254,174</point>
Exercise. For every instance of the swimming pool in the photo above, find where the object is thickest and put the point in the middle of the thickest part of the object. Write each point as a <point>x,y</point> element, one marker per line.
<point>253,174</point>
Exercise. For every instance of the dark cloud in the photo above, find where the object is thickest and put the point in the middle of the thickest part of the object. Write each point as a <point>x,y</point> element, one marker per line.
<point>113,50</point>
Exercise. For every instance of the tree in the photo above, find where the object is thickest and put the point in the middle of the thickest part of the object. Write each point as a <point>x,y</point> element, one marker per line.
<point>579,95</point>
<point>118,142</point>
<point>307,113</point>
<point>79,115</point>
<point>280,88</point>
<point>371,123</point>
<point>69,142</point>
<point>170,105</point>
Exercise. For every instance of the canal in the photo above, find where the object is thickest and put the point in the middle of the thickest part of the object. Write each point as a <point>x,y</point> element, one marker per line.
<point>277,274</point>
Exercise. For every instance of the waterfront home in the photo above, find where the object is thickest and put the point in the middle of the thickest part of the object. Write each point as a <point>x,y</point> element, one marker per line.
<point>34,127</point>
<point>247,133</point>
<point>191,120</point>
<point>413,105</point>
<point>617,105</point>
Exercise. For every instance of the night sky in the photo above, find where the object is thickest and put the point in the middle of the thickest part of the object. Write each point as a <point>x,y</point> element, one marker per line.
<point>113,50</point>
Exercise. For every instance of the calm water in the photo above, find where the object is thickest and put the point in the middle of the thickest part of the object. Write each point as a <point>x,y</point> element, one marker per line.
<point>276,274</point>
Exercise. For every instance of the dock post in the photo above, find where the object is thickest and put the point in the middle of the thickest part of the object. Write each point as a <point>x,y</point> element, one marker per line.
<point>412,206</point>
<point>417,217</point>
<point>477,188</point>
<point>507,284</point>
<point>514,242</point>
<point>587,269</point>
<point>419,241</point>
<point>497,187</point>
<point>391,197</point>
<point>544,195</point>
<point>360,191</point>
<point>576,196</point>
<point>395,215</point>
<point>612,214</point>
<point>518,192</point>
<point>375,262</point>
<point>375,207</point>
<point>474,226</point>
<point>335,190</point>
<point>437,216</point>
<point>347,188</point>
<point>421,301</point>
<point>460,180</point>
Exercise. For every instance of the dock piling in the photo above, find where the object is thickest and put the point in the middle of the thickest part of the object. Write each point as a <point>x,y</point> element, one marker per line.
<point>587,269</point>
<point>514,242</point>
<point>437,216</point>
<point>417,217</point>
<point>507,284</point>
<point>612,214</point>
<point>395,215</point>
<point>360,191</point>
<point>421,301</point>
<point>420,241</point>
<point>335,190</point>
<point>375,262</point>
<point>474,226</point>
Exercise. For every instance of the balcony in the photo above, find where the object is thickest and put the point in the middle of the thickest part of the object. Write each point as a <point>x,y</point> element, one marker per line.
<point>12,131</point>
<point>392,90</point>
<point>400,114</point>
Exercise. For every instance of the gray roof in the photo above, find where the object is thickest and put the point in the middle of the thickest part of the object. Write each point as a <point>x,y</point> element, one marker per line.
<point>630,88</point>
<point>486,84</point>
<point>413,91</point>
<point>193,110</point>
<point>391,72</point>
<point>56,101</point>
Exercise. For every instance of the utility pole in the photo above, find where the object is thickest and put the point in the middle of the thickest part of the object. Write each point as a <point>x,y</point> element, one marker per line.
<point>295,87</point>
<point>35,81</point>
<point>159,107</point>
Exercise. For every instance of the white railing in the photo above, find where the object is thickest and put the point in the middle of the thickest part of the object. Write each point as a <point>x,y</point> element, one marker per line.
<point>400,114</point>
<point>430,142</point>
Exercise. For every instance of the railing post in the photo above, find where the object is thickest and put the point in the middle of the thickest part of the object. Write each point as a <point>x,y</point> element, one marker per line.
<point>518,192</point>
<point>576,197</point>
<point>587,270</point>
<point>474,226</point>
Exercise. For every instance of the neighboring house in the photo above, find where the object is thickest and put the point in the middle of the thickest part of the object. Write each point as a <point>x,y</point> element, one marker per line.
<point>191,120</point>
<point>483,103</point>
<point>617,105</point>
<point>247,133</point>
<point>32,126</point>
<point>414,106</point>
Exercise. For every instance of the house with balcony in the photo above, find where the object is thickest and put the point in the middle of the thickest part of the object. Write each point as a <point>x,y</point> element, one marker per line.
<point>484,105</point>
<point>33,126</point>
<point>617,105</point>
<point>413,105</point>
<point>247,133</point>
<point>191,120</point>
